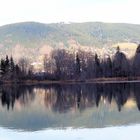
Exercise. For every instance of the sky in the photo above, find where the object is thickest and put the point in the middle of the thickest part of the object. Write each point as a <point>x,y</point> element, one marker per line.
<point>53,11</point>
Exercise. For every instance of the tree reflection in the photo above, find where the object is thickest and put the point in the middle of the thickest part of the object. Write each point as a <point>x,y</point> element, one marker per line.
<point>64,98</point>
<point>10,94</point>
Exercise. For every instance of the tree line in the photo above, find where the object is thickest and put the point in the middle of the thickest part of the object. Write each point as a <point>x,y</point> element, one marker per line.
<point>80,65</point>
<point>9,70</point>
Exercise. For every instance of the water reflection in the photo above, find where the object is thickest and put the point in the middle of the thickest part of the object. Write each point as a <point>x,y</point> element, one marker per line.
<point>10,94</point>
<point>62,98</point>
<point>82,105</point>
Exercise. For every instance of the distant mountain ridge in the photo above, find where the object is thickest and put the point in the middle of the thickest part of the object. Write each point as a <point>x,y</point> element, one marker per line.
<point>34,35</point>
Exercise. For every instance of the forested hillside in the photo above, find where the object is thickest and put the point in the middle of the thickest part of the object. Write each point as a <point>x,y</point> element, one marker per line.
<point>32,37</point>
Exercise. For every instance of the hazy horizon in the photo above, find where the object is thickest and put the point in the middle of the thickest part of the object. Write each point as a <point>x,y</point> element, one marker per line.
<point>70,22</point>
<point>52,11</point>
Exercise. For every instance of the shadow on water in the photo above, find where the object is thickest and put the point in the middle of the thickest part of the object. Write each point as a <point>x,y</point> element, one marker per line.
<point>43,106</point>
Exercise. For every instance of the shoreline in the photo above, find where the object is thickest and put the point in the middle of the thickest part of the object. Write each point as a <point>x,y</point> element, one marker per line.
<point>88,81</point>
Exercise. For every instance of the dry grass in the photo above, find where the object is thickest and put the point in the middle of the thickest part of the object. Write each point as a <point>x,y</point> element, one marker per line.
<point>128,48</point>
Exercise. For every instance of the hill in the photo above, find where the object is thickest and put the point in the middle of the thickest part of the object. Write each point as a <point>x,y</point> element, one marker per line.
<point>33,38</point>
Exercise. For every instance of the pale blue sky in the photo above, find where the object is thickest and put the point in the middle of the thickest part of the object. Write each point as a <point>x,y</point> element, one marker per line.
<point>52,11</point>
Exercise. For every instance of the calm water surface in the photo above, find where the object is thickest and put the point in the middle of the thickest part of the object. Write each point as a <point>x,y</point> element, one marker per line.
<point>72,112</point>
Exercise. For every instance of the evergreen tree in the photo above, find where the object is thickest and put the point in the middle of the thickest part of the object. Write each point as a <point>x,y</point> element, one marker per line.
<point>12,65</point>
<point>98,69</point>
<point>136,62</point>
<point>7,64</point>
<point>120,64</point>
<point>78,66</point>
<point>2,67</point>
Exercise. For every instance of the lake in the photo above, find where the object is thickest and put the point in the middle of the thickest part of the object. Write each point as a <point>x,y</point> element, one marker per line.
<point>70,111</point>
